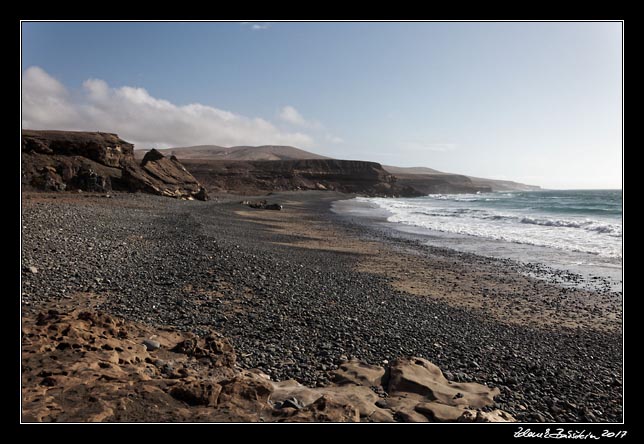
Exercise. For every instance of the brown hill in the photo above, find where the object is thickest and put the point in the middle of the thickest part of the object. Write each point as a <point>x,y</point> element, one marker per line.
<point>503,185</point>
<point>410,170</point>
<point>429,180</point>
<point>442,183</point>
<point>424,180</point>
<point>58,160</point>
<point>214,152</point>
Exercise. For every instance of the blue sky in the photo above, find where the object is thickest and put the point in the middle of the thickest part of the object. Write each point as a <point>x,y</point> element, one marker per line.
<point>535,102</point>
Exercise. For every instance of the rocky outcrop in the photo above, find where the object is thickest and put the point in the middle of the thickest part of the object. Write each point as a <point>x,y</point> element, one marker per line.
<point>157,174</point>
<point>408,389</point>
<point>104,148</point>
<point>52,172</point>
<point>69,160</point>
<point>82,365</point>
<point>253,177</point>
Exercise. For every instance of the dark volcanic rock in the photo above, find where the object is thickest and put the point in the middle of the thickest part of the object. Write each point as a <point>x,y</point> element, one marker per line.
<point>55,172</point>
<point>262,205</point>
<point>66,160</point>
<point>105,148</point>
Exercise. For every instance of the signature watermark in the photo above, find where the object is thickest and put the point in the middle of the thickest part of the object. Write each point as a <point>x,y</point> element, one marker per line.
<point>568,434</point>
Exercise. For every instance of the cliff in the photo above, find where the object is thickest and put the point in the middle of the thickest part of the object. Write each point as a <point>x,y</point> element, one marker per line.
<point>423,180</point>
<point>442,183</point>
<point>504,185</point>
<point>71,160</point>
<point>432,181</point>
<point>252,177</point>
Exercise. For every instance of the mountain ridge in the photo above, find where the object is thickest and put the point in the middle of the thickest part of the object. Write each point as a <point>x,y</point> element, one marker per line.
<point>415,174</point>
<point>241,152</point>
<point>424,179</point>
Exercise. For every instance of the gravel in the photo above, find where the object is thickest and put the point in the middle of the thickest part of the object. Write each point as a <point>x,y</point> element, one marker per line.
<point>294,312</point>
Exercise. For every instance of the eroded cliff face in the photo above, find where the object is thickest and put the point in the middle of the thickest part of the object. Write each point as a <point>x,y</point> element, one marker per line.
<point>71,160</point>
<point>104,148</point>
<point>157,174</point>
<point>442,183</point>
<point>251,177</point>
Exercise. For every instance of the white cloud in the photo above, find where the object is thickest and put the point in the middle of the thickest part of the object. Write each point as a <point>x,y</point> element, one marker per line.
<point>334,139</point>
<point>290,115</point>
<point>140,118</point>
<point>45,100</point>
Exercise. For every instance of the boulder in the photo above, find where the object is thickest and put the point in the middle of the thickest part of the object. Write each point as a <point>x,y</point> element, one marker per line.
<point>245,391</point>
<point>164,176</point>
<point>359,373</point>
<point>89,180</point>
<point>418,376</point>
<point>324,409</point>
<point>262,205</point>
<point>196,392</point>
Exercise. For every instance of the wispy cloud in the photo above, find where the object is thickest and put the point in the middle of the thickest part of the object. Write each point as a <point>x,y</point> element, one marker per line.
<point>292,116</point>
<point>256,26</point>
<point>141,118</point>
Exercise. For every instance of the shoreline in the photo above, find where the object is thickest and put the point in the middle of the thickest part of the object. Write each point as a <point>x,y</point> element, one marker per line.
<point>295,290</point>
<point>567,268</point>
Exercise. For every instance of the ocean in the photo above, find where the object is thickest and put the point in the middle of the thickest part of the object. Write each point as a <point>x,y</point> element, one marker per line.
<point>576,230</point>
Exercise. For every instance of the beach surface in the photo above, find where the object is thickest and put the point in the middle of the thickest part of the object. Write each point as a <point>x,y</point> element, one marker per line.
<point>298,291</point>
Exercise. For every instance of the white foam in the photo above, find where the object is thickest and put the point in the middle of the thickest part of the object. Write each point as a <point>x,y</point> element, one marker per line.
<point>602,237</point>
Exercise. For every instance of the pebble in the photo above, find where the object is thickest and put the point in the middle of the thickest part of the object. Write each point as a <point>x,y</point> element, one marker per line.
<point>310,300</point>
<point>151,344</point>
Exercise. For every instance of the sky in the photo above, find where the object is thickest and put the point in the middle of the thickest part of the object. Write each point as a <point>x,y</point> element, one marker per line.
<point>535,102</point>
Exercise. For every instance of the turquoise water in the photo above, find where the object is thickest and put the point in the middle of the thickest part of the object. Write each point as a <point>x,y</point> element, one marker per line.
<point>575,230</point>
<point>588,221</point>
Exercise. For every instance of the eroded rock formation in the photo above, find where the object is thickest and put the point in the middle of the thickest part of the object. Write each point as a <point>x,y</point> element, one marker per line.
<point>82,365</point>
<point>100,162</point>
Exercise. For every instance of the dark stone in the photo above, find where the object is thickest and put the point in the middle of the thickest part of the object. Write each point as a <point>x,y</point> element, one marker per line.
<point>87,179</point>
<point>261,205</point>
<point>292,403</point>
<point>154,155</point>
<point>202,194</point>
<point>151,344</point>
